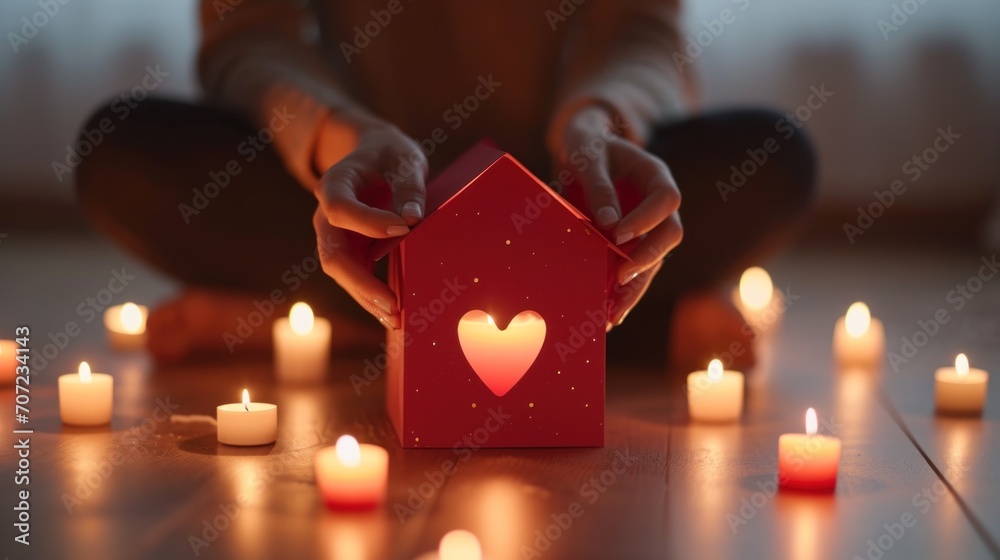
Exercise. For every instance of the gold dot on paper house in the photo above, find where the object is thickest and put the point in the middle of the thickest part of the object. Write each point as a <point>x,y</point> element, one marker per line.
<point>531,405</point>
<point>508,241</point>
<point>473,405</point>
<point>476,280</point>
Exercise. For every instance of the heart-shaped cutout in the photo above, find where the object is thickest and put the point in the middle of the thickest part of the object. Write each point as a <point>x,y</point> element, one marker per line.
<point>501,357</point>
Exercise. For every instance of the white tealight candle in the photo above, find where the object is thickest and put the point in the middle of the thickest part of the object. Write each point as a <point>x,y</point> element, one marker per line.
<point>759,303</point>
<point>8,361</point>
<point>456,545</point>
<point>859,338</point>
<point>301,346</point>
<point>715,395</point>
<point>961,389</point>
<point>85,398</point>
<point>352,476</point>
<point>126,326</point>
<point>247,423</point>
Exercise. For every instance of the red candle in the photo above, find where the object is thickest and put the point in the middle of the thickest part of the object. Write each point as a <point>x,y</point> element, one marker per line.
<point>352,476</point>
<point>808,461</point>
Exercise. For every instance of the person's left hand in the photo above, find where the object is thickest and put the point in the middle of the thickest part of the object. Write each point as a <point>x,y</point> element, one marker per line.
<point>591,148</point>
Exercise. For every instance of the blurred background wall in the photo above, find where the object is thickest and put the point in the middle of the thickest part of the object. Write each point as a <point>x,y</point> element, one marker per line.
<point>898,71</point>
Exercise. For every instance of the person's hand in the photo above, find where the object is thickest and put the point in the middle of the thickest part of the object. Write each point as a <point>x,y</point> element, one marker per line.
<point>349,217</point>
<point>592,149</point>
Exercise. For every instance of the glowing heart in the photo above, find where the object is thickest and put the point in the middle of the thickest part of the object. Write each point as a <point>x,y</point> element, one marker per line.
<point>501,357</point>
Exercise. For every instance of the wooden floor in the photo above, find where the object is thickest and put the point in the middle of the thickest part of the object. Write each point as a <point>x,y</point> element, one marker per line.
<point>661,488</point>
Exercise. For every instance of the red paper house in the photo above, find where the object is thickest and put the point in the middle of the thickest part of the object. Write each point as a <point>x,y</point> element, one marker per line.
<point>502,290</point>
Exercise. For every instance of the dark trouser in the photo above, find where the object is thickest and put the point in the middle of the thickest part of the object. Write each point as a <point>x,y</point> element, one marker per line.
<point>255,233</point>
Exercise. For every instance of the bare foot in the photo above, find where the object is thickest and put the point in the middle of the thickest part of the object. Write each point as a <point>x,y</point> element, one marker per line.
<point>706,325</point>
<point>205,323</point>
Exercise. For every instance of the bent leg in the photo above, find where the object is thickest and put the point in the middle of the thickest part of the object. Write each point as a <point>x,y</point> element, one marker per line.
<point>731,219</point>
<point>197,193</point>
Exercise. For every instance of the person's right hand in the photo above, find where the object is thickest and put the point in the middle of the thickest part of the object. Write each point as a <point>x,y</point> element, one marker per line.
<point>346,224</point>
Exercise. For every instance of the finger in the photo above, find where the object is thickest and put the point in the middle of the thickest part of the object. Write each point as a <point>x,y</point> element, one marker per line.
<point>661,196</point>
<point>406,173</point>
<point>345,267</point>
<point>338,194</point>
<point>652,249</point>
<point>598,190</point>
<point>628,296</point>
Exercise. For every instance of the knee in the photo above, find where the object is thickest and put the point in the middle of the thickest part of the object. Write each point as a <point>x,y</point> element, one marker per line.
<point>97,148</point>
<point>116,142</point>
<point>789,174</point>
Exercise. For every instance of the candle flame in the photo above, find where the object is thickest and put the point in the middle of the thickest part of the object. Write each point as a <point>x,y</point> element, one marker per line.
<point>301,318</point>
<point>348,451</point>
<point>858,319</point>
<point>961,365</point>
<point>84,372</point>
<point>131,318</point>
<point>756,288</point>
<point>715,371</point>
<point>812,426</point>
<point>246,399</point>
<point>460,545</point>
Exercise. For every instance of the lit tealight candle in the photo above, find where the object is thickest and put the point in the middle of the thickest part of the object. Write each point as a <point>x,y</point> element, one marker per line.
<point>85,398</point>
<point>247,423</point>
<point>961,389</point>
<point>352,476</point>
<point>859,338</point>
<point>8,361</point>
<point>715,395</point>
<point>759,303</point>
<point>301,346</point>
<point>456,545</point>
<point>126,326</point>
<point>808,461</point>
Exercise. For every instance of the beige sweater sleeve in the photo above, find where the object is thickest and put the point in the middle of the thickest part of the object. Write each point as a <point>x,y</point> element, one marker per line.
<point>619,55</point>
<point>258,58</point>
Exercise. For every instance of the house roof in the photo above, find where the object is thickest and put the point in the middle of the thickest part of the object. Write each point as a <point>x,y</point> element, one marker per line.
<point>461,173</point>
